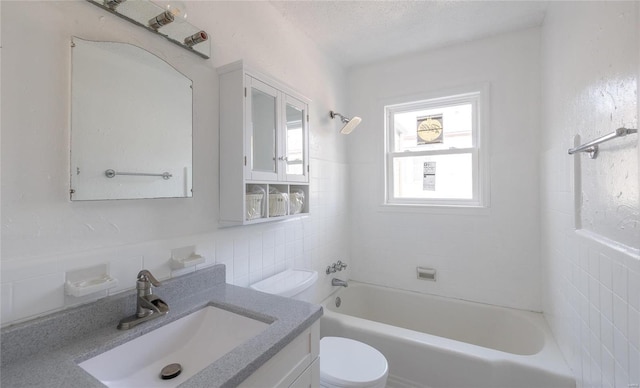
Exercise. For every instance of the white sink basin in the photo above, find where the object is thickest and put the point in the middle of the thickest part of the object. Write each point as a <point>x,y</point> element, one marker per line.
<point>194,341</point>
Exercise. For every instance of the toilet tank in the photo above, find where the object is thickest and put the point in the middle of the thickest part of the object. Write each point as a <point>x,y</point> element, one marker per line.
<point>292,283</point>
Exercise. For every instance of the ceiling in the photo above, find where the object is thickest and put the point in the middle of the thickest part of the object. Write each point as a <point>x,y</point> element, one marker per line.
<point>360,32</point>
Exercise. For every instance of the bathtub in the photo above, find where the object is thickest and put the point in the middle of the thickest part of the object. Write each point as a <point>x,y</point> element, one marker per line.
<point>438,342</point>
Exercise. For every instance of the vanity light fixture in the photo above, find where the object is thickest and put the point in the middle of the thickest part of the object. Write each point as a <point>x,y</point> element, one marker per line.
<point>350,123</point>
<point>137,12</point>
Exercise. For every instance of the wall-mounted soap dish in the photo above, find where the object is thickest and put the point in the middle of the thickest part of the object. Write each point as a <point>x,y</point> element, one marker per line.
<point>185,262</point>
<point>89,286</point>
<point>185,257</point>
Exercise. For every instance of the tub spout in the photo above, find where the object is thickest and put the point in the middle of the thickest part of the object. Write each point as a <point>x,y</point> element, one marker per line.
<point>338,282</point>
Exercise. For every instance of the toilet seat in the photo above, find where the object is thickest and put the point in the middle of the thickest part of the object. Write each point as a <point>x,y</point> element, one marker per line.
<point>347,363</point>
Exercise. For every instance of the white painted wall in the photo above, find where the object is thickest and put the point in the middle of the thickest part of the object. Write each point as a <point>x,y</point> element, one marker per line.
<point>44,235</point>
<point>488,256</point>
<point>591,279</point>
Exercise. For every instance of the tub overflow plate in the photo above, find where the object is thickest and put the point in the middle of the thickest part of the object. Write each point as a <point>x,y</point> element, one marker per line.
<point>338,301</point>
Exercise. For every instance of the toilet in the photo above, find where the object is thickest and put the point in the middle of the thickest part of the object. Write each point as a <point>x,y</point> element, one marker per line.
<point>344,363</point>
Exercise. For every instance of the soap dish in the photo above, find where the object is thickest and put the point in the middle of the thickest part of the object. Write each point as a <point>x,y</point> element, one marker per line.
<point>185,262</point>
<point>89,286</point>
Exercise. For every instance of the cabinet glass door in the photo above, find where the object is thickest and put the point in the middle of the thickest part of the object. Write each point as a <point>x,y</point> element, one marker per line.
<point>295,153</point>
<point>264,126</point>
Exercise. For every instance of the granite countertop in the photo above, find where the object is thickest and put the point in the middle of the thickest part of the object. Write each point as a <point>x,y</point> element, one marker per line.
<point>45,352</point>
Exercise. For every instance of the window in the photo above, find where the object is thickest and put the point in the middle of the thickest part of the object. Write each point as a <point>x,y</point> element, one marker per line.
<point>433,154</point>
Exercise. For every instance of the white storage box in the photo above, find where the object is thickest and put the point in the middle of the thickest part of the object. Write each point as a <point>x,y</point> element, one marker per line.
<point>254,206</point>
<point>296,202</point>
<point>278,204</point>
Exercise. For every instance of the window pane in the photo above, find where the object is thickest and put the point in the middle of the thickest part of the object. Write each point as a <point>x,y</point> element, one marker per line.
<point>435,177</point>
<point>433,129</point>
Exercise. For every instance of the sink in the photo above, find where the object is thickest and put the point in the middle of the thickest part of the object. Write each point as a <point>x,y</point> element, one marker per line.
<point>194,341</point>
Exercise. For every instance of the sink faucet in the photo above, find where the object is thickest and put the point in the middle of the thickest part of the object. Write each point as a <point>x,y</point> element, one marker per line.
<point>338,282</point>
<point>148,305</point>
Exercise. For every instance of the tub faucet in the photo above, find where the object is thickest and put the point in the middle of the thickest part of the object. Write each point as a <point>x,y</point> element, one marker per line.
<point>338,282</point>
<point>148,306</point>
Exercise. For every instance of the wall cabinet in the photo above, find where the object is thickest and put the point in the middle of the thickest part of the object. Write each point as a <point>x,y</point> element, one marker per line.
<point>264,148</point>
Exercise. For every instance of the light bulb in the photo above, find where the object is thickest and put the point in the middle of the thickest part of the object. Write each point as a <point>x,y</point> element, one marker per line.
<point>178,9</point>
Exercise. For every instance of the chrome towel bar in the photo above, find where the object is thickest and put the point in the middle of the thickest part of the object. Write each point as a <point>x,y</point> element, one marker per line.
<point>592,146</point>
<point>111,173</point>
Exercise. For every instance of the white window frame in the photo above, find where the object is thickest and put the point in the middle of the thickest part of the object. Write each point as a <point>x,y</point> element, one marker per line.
<point>478,97</point>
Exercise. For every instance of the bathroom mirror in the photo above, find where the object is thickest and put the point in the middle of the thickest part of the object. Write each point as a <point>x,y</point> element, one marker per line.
<point>263,124</point>
<point>295,137</point>
<point>131,134</point>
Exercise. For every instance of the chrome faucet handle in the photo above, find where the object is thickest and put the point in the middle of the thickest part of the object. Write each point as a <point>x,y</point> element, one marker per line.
<point>147,277</point>
<point>341,265</point>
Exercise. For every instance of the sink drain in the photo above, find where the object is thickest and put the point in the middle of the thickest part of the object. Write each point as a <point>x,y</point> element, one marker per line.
<point>170,371</point>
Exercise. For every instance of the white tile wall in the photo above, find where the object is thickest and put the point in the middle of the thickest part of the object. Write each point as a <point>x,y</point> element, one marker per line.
<point>122,268</point>
<point>591,285</point>
<point>250,254</point>
<point>33,295</point>
<point>594,319</point>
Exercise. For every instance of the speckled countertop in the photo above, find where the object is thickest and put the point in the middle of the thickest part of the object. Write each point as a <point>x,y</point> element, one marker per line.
<point>45,352</point>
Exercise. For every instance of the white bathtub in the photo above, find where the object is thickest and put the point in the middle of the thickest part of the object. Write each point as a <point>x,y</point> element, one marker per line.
<point>438,342</point>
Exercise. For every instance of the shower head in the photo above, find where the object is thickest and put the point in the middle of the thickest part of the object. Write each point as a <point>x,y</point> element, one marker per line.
<point>350,123</point>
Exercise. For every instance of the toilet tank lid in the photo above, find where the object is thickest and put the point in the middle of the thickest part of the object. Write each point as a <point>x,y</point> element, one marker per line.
<point>288,283</point>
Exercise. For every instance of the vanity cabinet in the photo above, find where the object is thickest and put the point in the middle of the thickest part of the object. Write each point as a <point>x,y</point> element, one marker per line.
<point>264,148</point>
<point>295,366</point>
